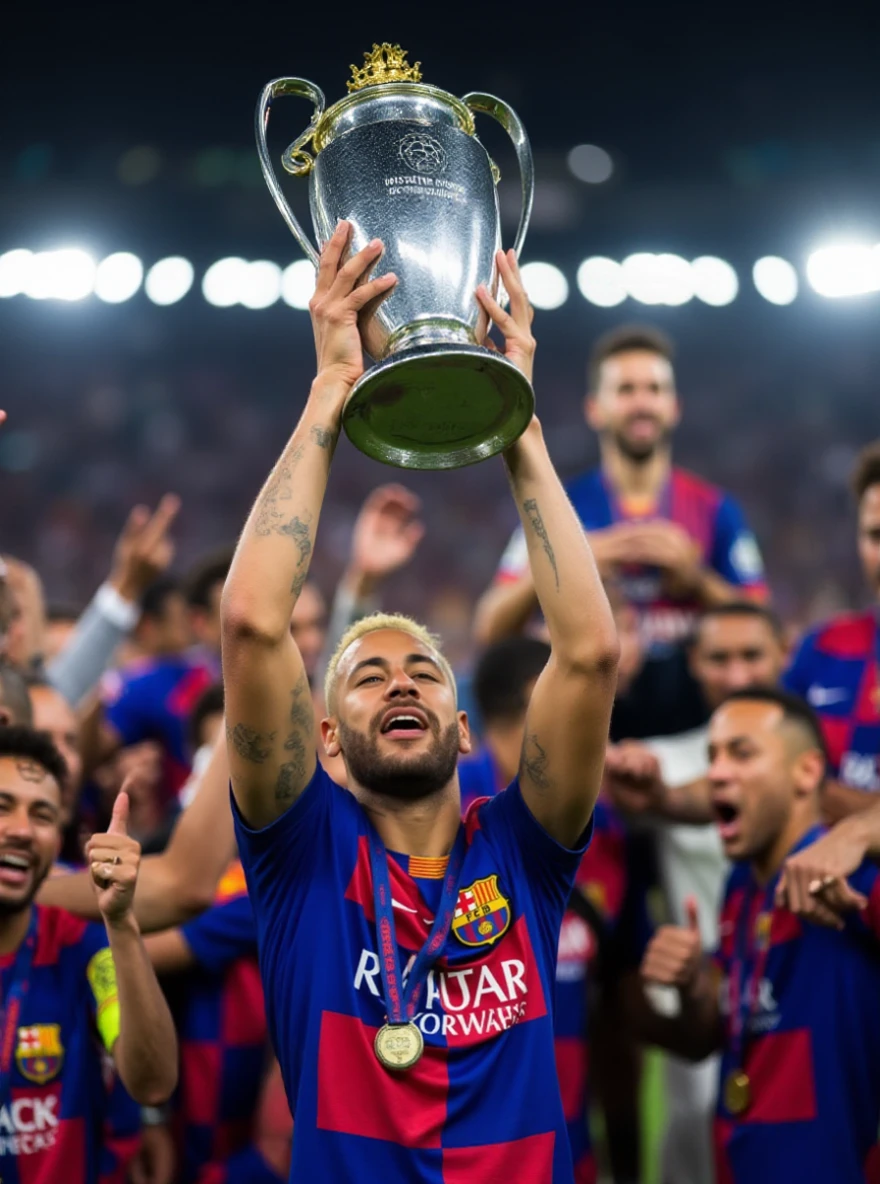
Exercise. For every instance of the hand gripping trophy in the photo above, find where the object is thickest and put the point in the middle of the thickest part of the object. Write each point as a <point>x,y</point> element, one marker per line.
<point>400,160</point>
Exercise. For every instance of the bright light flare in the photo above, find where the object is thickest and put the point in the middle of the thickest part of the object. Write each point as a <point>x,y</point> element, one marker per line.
<point>845,269</point>
<point>601,281</point>
<point>14,270</point>
<point>545,284</point>
<point>298,283</point>
<point>65,274</point>
<point>715,281</point>
<point>260,284</point>
<point>223,282</point>
<point>775,279</point>
<point>118,277</point>
<point>169,280</point>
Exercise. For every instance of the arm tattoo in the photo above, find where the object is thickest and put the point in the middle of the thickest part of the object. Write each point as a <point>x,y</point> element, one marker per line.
<point>537,523</point>
<point>302,714</point>
<point>534,763</point>
<point>252,746</point>
<point>270,513</point>
<point>323,437</point>
<point>292,774</point>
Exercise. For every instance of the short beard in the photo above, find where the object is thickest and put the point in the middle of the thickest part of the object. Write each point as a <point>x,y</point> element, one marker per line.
<point>10,908</point>
<point>407,780</point>
<point>639,454</point>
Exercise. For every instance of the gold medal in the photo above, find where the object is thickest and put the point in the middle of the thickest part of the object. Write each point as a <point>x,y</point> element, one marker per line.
<point>737,1092</point>
<point>399,1046</point>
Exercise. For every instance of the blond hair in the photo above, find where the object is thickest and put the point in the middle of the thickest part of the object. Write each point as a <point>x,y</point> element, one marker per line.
<point>372,624</point>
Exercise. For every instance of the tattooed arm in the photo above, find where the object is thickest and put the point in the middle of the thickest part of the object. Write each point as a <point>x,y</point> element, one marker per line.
<point>570,708</point>
<point>269,717</point>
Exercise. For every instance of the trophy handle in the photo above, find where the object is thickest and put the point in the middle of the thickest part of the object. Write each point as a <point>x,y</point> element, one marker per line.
<point>510,121</point>
<point>295,160</point>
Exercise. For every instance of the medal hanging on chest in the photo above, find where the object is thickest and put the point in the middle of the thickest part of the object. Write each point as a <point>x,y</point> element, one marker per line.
<point>745,993</point>
<point>399,1044</point>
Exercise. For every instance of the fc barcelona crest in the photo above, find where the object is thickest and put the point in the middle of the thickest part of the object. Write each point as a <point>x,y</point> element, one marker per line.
<point>482,914</point>
<point>39,1053</point>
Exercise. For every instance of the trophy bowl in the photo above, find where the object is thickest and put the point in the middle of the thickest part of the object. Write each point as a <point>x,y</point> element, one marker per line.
<point>400,161</point>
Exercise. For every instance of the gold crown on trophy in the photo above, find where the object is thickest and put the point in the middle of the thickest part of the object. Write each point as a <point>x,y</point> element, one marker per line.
<point>386,63</point>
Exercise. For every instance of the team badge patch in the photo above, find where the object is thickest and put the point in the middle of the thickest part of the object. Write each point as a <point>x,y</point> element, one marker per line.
<point>39,1053</point>
<point>482,914</point>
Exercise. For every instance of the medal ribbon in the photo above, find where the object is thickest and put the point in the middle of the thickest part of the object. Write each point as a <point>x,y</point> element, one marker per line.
<point>401,1003</point>
<point>21,973</point>
<point>745,989</point>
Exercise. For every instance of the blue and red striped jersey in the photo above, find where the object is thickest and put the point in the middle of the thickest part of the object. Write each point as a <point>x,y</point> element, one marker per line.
<point>711,517</point>
<point>223,1039</point>
<point>483,1101</point>
<point>812,1043</point>
<point>153,699</point>
<point>51,1125</point>
<point>835,669</point>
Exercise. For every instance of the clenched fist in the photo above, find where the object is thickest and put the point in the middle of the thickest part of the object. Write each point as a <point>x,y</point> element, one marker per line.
<point>114,859</point>
<point>675,954</point>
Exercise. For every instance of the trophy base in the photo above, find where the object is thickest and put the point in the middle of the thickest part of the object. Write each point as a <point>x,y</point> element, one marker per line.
<point>438,407</point>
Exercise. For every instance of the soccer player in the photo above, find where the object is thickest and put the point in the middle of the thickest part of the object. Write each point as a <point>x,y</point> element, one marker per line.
<point>675,543</point>
<point>797,1016</point>
<point>449,1072</point>
<point>837,666</point>
<point>223,1037</point>
<point>66,984</point>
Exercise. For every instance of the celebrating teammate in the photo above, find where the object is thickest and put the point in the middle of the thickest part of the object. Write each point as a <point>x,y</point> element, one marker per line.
<point>797,1020</point>
<point>66,982</point>
<point>837,667</point>
<point>450,1069</point>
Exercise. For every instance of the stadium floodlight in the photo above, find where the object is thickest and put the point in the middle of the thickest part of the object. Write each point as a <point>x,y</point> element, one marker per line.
<point>14,268</point>
<point>118,277</point>
<point>261,284</point>
<point>590,164</point>
<point>601,281</point>
<point>298,283</point>
<point>844,269</point>
<point>658,279</point>
<point>169,280</point>
<point>775,279</point>
<point>545,284</point>
<point>223,281</point>
<point>715,281</point>
<point>65,274</point>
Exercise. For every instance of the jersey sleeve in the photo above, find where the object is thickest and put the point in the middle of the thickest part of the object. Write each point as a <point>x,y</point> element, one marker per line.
<point>222,934</point>
<point>515,560</point>
<point>799,675</point>
<point>126,708</point>
<point>866,879</point>
<point>735,554</point>
<point>531,852</point>
<point>101,978</point>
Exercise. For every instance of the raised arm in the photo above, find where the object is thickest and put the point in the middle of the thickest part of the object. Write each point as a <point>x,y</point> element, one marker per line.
<point>567,722</point>
<point>269,718</point>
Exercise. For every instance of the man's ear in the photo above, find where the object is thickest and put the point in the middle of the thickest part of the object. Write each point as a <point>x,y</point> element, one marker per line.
<point>330,736</point>
<point>464,734</point>
<point>809,772</point>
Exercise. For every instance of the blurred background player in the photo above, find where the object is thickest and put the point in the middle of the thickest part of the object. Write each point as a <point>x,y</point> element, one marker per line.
<point>67,983</point>
<point>799,1090</point>
<point>673,542</point>
<point>837,666</point>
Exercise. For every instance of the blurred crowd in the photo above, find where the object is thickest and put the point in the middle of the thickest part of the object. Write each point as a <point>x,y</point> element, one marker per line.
<point>113,647</point>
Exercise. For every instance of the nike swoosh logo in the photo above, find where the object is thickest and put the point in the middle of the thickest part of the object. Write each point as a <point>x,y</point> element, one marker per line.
<point>823,696</point>
<point>404,908</point>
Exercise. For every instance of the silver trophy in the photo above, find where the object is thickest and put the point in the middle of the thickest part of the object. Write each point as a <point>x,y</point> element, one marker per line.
<point>400,160</point>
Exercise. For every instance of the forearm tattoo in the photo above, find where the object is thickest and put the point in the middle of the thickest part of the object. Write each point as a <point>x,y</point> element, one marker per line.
<point>530,506</point>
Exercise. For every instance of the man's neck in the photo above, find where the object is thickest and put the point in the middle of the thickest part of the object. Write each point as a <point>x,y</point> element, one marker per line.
<point>426,828</point>
<point>13,927</point>
<point>635,478</point>
<point>767,864</point>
